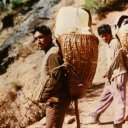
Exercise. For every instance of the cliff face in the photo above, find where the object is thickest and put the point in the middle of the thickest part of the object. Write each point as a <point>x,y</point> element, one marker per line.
<point>16,48</point>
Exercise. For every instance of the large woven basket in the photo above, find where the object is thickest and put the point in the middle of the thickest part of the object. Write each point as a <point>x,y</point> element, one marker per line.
<point>122,34</point>
<point>123,39</point>
<point>81,52</point>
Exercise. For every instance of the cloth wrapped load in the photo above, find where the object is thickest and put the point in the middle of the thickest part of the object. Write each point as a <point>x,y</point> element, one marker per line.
<point>71,19</point>
<point>79,49</point>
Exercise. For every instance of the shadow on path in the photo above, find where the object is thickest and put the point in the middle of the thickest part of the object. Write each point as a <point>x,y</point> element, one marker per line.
<point>106,123</point>
<point>95,90</point>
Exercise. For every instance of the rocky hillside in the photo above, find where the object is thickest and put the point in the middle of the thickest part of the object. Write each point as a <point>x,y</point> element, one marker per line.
<point>20,61</point>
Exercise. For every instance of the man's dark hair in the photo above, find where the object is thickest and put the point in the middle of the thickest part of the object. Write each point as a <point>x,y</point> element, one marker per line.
<point>45,30</point>
<point>121,19</point>
<point>105,28</point>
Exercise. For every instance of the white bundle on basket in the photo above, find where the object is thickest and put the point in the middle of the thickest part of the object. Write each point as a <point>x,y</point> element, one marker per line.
<point>71,19</point>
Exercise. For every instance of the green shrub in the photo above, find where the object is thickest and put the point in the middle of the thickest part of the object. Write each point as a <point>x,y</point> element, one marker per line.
<point>4,8</point>
<point>93,4</point>
<point>16,3</point>
<point>101,7</point>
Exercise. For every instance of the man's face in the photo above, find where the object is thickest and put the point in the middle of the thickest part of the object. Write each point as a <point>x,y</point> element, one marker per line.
<point>41,40</point>
<point>106,37</point>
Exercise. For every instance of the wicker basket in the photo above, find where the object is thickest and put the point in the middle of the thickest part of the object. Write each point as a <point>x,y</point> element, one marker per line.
<point>122,34</point>
<point>123,39</point>
<point>81,52</point>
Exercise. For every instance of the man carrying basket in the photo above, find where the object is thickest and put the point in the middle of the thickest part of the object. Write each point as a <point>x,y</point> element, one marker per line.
<point>115,87</point>
<point>54,92</point>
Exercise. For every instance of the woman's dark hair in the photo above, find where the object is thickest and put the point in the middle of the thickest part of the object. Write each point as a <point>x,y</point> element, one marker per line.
<point>121,19</point>
<point>45,30</point>
<point>105,28</point>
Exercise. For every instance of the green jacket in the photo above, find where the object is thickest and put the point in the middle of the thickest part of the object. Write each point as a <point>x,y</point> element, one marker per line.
<point>56,84</point>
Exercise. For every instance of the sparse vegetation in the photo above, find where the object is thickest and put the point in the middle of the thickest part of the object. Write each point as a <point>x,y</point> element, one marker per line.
<point>14,4</point>
<point>17,114</point>
<point>101,7</point>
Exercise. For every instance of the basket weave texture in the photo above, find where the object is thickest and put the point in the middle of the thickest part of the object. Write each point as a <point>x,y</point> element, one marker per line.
<point>81,52</point>
<point>123,39</point>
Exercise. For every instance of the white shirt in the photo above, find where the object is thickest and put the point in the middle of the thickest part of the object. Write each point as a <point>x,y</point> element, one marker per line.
<point>112,50</point>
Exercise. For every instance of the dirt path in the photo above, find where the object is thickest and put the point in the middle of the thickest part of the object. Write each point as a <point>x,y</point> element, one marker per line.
<point>88,104</point>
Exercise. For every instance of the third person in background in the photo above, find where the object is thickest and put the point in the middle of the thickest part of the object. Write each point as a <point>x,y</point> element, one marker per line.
<point>115,87</point>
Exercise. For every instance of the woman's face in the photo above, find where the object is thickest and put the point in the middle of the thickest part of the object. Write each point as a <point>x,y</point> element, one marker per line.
<point>42,41</point>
